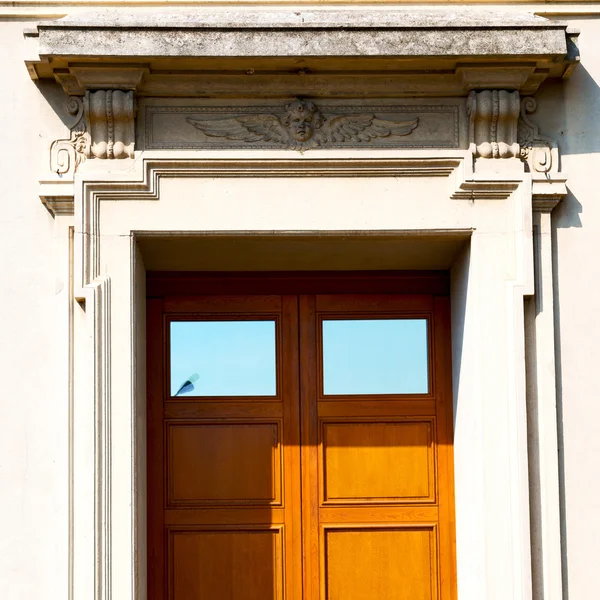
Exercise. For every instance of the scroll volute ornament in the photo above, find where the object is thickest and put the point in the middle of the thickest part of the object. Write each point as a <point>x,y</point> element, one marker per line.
<point>539,151</point>
<point>110,116</point>
<point>68,153</point>
<point>493,117</point>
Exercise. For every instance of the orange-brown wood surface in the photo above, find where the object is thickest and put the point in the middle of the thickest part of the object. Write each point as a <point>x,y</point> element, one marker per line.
<point>300,496</point>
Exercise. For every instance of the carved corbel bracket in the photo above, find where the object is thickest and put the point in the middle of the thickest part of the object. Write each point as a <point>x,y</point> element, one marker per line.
<point>493,116</point>
<point>102,126</point>
<point>110,116</point>
<point>500,127</point>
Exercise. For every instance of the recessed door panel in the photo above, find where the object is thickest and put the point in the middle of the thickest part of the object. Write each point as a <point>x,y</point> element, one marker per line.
<point>378,461</point>
<point>226,565</point>
<point>202,457</point>
<point>393,563</point>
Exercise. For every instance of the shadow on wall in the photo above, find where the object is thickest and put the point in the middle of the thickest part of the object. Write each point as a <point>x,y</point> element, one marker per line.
<point>566,215</point>
<point>54,95</point>
<point>459,294</point>
<point>570,113</point>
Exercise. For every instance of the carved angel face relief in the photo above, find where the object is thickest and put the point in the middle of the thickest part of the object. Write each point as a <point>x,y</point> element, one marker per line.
<point>302,127</point>
<point>301,119</point>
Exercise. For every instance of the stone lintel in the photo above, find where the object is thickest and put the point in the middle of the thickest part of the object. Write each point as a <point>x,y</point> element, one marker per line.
<point>319,53</point>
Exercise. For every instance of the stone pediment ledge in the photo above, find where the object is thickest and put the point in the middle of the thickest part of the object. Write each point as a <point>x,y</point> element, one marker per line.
<point>408,52</point>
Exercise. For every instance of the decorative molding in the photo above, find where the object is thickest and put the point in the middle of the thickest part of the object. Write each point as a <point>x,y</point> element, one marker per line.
<point>143,184</point>
<point>485,189</point>
<point>499,127</point>
<point>103,127</point>
<point>541,157</point>
<point>544,203</point>
<point>59,205</point>
<point>303,126</point>
<point>110,116</point>
<point>67,154</point>
<point>99,295</point>
<point>540,152</point>
<point>493,116</point>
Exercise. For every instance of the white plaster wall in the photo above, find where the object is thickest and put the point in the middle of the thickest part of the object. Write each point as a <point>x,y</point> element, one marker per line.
<point>571,114</point>
<point>33,334</point>
<point>34,401</point>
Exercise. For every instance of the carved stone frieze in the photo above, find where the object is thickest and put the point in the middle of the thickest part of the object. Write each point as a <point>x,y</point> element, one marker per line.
<point>300,125</point>
<point>493,116</point>
<point>303,126</point>
<point>110,116</point>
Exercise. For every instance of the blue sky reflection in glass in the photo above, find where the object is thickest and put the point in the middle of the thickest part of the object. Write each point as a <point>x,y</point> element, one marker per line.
<point>375,356</point>
<point>229,358</point>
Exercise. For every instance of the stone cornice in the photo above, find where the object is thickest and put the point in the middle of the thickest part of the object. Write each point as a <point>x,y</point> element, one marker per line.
<point>312,53</point>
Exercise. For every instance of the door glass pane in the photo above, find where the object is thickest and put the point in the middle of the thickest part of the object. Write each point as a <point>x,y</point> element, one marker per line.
<point>375,356</point>
<point>223,358</point>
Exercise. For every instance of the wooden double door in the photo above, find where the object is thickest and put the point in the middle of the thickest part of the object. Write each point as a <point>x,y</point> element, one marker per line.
<point>300,447</point>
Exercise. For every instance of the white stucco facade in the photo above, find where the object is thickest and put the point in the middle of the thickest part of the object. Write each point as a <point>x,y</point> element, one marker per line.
<point>523,319</point>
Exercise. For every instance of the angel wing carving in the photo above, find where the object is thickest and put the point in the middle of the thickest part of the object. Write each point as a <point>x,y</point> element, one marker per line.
<point>248,128</point>
<point>361,128</point>
<point>302,127</point>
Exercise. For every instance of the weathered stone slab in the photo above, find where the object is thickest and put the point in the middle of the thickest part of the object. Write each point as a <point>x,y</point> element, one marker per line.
<point>412,52</point>
<point>409,32</point>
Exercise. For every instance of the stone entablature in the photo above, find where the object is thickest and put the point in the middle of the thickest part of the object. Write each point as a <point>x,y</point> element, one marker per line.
<point>410,78</point>
<point>493,124</point>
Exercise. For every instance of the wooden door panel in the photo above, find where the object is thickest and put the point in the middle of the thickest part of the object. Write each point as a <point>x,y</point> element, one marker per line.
<point>224,481</point>
<point>226,565</point>
<point>384,409</point>
<point>392,563</point>
<point>375,304</point>
<point>377,461</point>
<point>234,304</point>
<point>375,498</point>
<point>224,463</point>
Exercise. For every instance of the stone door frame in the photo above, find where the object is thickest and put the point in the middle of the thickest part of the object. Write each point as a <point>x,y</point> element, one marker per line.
<point>495,189</point>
